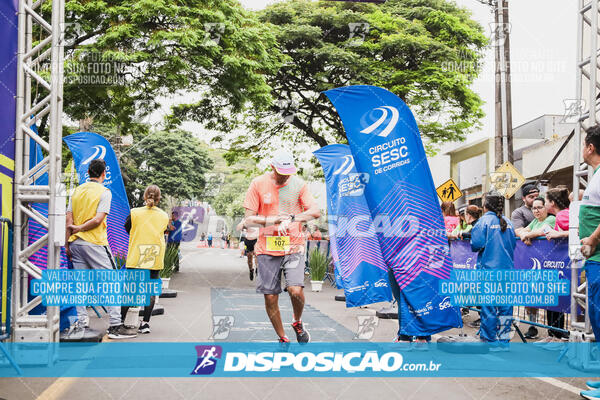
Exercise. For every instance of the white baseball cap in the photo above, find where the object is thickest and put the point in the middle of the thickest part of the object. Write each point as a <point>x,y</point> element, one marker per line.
<point>283,161</point>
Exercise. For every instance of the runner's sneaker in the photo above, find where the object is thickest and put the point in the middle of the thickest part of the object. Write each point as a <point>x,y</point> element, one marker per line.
<point>590,394</point>
<point>121,332</point>
<point>302,334</point>
<point>284,339</point>
<point>144,328</point>
<point>593,384</point>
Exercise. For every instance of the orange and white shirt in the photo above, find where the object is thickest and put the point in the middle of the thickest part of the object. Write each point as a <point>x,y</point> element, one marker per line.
<point>266,198</point>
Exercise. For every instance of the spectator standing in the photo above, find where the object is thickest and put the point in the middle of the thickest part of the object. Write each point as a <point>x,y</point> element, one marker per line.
<point>450,219</point>
<point>316,234</point>
<point>589,232</point>
<point>557,203</point>
<point>542,223</point>
<point>174,238</point>
<point>522,216</point>
<point>493,238</point>
<point>145,226</point>
<point>87,239</point>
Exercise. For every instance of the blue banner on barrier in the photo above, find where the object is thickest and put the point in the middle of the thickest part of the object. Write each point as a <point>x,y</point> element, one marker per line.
<point>542,254</point>
<point>86,146</point>
<point>355,247</point>
<point>386,144</point>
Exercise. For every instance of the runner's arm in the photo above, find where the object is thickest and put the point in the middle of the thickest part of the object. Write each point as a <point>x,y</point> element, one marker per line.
<point>68,232</point>
<point>308,215</point>
<point>589,243</point>
<point>253,220</point>
<point>89,224</point>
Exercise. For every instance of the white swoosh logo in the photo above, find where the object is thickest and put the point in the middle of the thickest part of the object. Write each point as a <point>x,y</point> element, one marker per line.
<point>100,152</point>
<point>390,126</point>
<point>346,166</point>
<point>536,263</point>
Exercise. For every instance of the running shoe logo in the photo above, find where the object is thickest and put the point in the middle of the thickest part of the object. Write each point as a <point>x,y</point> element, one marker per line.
<point>391,124</point>
<point>207,359</point>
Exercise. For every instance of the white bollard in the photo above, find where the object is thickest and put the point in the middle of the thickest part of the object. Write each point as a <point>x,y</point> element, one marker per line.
<point>133,317</point>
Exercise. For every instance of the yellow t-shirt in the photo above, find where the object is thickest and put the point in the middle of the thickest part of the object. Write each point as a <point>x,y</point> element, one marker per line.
<point>147,238</point>
<point>84,204</point>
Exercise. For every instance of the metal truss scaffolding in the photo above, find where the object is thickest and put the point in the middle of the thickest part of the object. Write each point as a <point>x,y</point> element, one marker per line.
<point>40,44</point>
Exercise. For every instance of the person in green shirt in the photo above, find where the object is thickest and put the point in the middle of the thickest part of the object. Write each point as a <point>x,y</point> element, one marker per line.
<point>589,233</point>
<point>542,222</point>
<point>468,217</point>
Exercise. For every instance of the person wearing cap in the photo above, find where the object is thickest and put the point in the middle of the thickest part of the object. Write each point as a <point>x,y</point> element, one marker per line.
<point>522,216</point>
<point>278,203</point>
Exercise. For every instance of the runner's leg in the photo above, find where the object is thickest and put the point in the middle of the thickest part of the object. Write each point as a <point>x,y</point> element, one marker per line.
<point>79,263</point>
<point>154,274</point>
<point>293,268</point>
<point>269,284</point>
<point>272,307</point>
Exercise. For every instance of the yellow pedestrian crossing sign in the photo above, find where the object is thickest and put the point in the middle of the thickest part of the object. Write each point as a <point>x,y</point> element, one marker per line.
<point>449,191</point>
<point>506,180</point>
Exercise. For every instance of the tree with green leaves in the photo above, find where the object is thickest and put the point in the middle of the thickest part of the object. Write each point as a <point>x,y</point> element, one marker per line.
<point>405,46</point>
<point>122,57</point>
<point>227,183</point>
<point>176,161</point>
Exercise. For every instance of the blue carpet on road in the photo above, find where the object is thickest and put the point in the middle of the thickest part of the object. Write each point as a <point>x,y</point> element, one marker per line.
<point>239,316</point>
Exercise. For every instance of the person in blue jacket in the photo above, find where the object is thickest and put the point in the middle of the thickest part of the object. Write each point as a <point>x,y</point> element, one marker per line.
<point>494,240</point>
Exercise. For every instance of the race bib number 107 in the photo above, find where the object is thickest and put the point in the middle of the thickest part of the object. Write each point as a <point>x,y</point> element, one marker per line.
<point>278,243</point>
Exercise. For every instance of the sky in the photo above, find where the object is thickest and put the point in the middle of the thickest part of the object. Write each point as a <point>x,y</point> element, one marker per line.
<point>543,51</point>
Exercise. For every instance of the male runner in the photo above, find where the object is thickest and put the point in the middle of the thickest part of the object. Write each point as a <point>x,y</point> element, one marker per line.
<point>278,202</point>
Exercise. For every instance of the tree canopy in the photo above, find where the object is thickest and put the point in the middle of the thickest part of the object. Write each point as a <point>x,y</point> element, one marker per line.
<point>122,56</point>
<point>176,161</point>
<point>405,46</point>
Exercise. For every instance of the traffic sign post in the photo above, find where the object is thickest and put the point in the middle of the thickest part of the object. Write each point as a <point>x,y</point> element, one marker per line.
<point>449,191</point>
<point>506,180</point>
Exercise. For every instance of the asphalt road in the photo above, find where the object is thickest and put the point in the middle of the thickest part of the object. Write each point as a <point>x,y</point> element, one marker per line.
<point>214,283</point>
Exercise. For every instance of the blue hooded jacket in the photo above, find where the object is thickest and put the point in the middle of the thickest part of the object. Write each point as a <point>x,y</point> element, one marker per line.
<point>495,248</point>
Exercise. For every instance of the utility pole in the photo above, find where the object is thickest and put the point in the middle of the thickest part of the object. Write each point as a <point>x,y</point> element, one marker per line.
<point>507,82</point>
<point>497,35</point>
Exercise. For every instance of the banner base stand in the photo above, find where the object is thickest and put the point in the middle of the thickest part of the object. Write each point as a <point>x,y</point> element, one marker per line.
<point>340,297</point>
<point>157,310</point>
<point>389,312</point>
<point>470,344</point>
<point>81,335</point>
<point>168,293</point>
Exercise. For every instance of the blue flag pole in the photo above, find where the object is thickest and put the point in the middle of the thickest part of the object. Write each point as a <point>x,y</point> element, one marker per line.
<point>386,144</point>
<point>355,248</point>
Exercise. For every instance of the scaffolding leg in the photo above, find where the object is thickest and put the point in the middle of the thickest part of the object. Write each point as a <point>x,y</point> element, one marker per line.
<point>10,359</point>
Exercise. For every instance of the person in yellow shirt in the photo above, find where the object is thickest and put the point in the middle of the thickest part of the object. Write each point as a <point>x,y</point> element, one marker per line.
<point>146,226</point>
<point>87,240</point>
